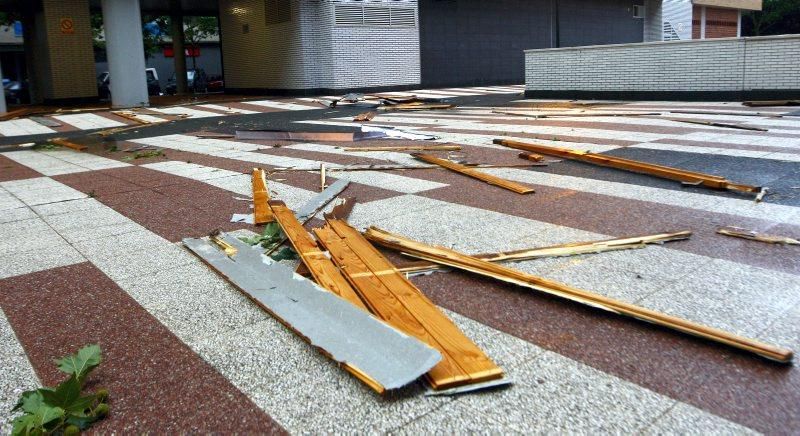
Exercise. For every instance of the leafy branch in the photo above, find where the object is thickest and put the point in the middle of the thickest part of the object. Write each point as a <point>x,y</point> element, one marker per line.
<point>63,410</point>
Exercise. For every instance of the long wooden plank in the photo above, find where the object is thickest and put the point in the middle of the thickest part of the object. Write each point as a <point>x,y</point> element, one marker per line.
<point>261,211</point>
<point>571,249</point>
<point>465,262</point>
<point>690,177</point>
<point>467,171</point>
<point>406,148</point>
<point>752,235</point>
<point>322,269</point>
<point>69,144</point>
<point>398,302</point>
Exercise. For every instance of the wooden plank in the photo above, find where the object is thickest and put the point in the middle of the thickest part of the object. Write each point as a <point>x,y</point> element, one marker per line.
<point>715,124</point>
<point>531,156</point>
<point>739,232</point>
<point>635,166</point>
<point>578,114</point>
<point>365,116</point>
<point>571,249</point>
<point>467,171</point>
<point>398,302</point>
<point>322,268</point>
<point>390,167</point>
<point>407,148</point>
<point>69,144</point>
<point>261,210</point>
<point>481,267</point>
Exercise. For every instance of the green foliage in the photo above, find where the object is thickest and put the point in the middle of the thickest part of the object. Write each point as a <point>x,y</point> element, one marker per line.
<point>45,146</point>
<point>148,153</point>
<point>271,235</point>
<point>777,17</point>
<point>63,410</point>
<point>285,253</point>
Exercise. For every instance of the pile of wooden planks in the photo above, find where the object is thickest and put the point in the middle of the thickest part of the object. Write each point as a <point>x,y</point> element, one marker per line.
<point>448,257</point>
<point>665,172</point>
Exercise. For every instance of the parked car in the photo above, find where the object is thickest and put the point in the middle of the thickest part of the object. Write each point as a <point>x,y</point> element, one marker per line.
<point>196,82</point>
<point>16,91</point>
<point>104,83</point>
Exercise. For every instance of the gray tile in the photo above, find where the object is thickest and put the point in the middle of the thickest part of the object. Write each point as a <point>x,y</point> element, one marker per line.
<point>17,375</point>
<point>139,263</point>
<point>785,331</point>
<point>17,214</point>
<point>688,420</point>
<point>452,419</point>
<point>83,204</point>
<point>85,220</point>
<point>84,234</point>
<point>56,255</point>
<point>27,235</point>
<point>193,301</point>
<point>118,245</point>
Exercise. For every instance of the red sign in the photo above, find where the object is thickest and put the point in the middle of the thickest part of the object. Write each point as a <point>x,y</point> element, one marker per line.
<point>66,25</point>
<point>191,52</point>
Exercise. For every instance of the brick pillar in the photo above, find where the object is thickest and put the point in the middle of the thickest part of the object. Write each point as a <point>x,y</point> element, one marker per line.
<point>65,57</point>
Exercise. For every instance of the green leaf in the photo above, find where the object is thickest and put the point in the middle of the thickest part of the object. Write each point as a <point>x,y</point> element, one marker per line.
<point>286,253</point>
<point>83,422</point>
<point>46,414</point>
<point>30,401</point>
<point>23,425</point>
<point>79,405</point>
<point>81,363</point>
<point>65,393</point>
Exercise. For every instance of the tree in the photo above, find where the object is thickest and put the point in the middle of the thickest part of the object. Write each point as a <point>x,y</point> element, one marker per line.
<point>195,30</point>
<point>152,36</point>
<point>776,18</point>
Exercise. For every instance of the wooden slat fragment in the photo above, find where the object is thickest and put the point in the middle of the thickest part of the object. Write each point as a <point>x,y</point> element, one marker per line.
<point>69,144</point>
<point>571,249</point>
<point>578,114</point>
<point>689,177</point>
<point>471,172</point>
<point>407,148</point>
<point>531,156</point>
<point>739,232</point>
<point>365,116</point>
<point>397,301</point>
<point>130,116</point>
<point>715,124</point>
<point>261,210</point>
<point>472,264</point>
<point>390,167</point>
<point>322,268</point>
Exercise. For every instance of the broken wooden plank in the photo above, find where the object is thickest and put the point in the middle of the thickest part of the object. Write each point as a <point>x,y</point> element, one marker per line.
<point>69,144</point>
<point>322,269</point>
<point>739,232</point>
<point>375,353</point>
<point>578,114</point>
<point>406,148</point>
<point>342,210</point>
<point>130,116</point>
<point>389,167</point>
<point>365,116</point>
<point>481,267</point>
<point>533,157</point>
<point>416,107</point>
<point>395,300</point>
<point>561,250</point>
<point>213,135</point>
<point>467,171</point>
<point>716,124</point>
<point>687,177</point>
<point>261,211</point>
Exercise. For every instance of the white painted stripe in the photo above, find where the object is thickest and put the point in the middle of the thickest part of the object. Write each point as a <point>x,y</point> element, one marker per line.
<point>88,121</point>
<point>23,127</point>
<point>183,110</point>
<point>227,109</point>
<point>281,105</point>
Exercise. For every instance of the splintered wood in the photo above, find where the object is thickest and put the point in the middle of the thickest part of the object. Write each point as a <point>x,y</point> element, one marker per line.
<point>472,264</point>
<point>261,210</point>
<point>739,232</point>
<point>407,148</point>
<point>392,298</point>
<point>322,269</point>
<point>467,171</point>
<point>665,172</point>
<point>571,249</point>
<point>69,144</point>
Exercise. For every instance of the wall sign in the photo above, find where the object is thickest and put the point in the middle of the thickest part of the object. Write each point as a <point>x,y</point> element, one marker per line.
<point>66,25</point>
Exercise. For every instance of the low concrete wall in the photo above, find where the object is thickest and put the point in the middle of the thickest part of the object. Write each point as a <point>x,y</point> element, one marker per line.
<point>766,67</point>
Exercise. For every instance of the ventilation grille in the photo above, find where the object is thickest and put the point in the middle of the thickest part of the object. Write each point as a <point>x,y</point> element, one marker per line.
<point>373,15</point>
<point>669,32</point>
<point>277,11</point>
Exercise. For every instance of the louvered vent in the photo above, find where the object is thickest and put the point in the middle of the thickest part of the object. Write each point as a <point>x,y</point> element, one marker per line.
<point>278,11</point>
<point>373,15</point>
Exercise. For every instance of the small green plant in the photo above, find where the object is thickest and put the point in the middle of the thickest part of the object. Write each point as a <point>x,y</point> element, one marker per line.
<point>270,238</point>
<point>44,146</point>
<point>112,148</point>
<point>92,194</point>
<point>63,410</point>
<point>148,153</point>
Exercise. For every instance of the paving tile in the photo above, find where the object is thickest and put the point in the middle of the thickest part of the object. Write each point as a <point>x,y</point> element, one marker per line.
<point>16,214</point>
<point>686,419</point>
<point>17,375</point>
<point>55,255</point>
<point>28,235</point>
<point>83,204</point>
<point>98,217</point>
<point>592,274</point>
<point>452,419</point>
<point>84,234</point>
<point>139,263</point>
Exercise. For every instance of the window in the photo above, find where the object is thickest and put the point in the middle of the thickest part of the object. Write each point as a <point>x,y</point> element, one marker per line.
<point>638,11</point>
<point>373,15</point>
<point>277,11</point>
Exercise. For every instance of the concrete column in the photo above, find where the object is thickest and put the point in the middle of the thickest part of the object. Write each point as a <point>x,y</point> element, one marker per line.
<point>178,47</point>
<point>122,25</point>
<point>702,22</point>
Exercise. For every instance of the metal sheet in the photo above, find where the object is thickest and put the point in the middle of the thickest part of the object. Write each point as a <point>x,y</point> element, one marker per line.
<point>345,333</point>
<point>319,201</point>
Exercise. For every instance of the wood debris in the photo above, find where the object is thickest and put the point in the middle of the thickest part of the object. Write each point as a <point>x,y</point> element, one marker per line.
<point>578,114</point>
<point>132,116</point>
<point>471,172</point>
<point>531,156</point>
<point>561,250</point>
<point>342,210</point>
<point>372,351</point>
<point>765,103</point>
<point>69,144</point>
<point>321,177</point>
<point>392,298</point>
<point>365,116</point>
<point>481,267</point>
<point>715,124</point>
<point>388,167</point>
<point>212,135</point>
<point>734,114</point>
<point>739,232</point>
<point>665,172</point>
<point>261,211</point>
<point>406,148</point>
<point>315,259</point>
<point>417,107</point>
